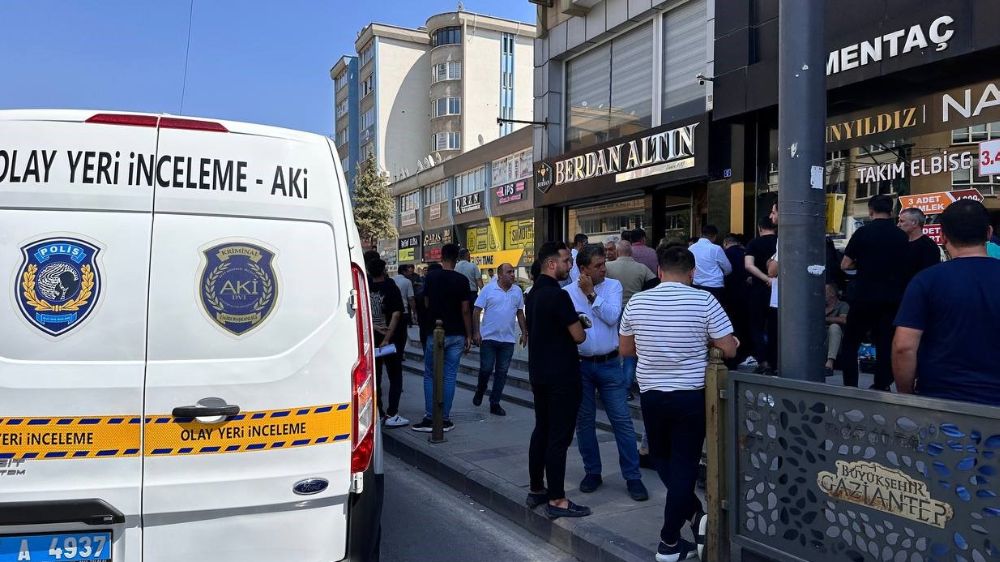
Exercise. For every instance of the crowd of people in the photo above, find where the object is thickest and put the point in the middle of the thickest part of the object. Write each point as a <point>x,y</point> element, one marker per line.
<point>612,319</point>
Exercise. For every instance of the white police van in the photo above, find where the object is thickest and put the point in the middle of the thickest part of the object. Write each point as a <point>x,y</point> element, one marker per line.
<point>186,367</point>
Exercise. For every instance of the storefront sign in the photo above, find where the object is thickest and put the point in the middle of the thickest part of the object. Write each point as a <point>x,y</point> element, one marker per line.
<point>936,203</point>
<point>508,193</point>
<point>989,157</point>
<point>481,239</point>
<point>885,489</point>
<point>873,124</point>
<point>409,248</point>
<point>434,240</point>
<point>658,153</point>
<point>408,218</point>
<point>494,259</point>
<point>467,203</point>
<point>891,45</point>
<point>434,212</point>
<point>519,234</point>
<point>933,231</point>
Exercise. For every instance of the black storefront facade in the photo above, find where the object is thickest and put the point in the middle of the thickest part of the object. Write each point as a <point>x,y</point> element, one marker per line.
<point>913,93</point>
<point>660,179</point>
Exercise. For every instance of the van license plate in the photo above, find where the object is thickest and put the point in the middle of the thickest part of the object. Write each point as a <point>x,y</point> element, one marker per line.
<point>62,547</point>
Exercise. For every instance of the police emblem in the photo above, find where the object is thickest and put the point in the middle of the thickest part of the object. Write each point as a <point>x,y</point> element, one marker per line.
<point>238,285</point>
<point>59,283</point>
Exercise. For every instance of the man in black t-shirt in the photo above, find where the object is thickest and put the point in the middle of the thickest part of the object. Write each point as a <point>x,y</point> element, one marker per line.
<point>446,298</point>
<point>759,250</point>
<point>387,320</point>
<point>877,251</point>
<point>922,252</point>
<point>554,330</point>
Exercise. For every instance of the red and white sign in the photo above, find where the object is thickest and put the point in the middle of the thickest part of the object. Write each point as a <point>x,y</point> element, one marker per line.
<point>936,203</point>
<point>989,157</point>
<point>933,231</point>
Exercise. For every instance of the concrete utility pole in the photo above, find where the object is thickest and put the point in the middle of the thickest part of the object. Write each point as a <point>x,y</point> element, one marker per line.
<point>801,189</point>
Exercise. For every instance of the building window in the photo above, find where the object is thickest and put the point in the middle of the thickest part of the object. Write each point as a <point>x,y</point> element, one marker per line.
<point>368,151</point>
<point>344,163</point>
<point>447,36</point>
<point>506,82</point>
<point>446,141</point>
<point>976,133</point>
<point>410,201</point>
<point>685,55</point>
<point>368,85</point>
<point>341,136</point>
<point>451,70</point>
<point>511,168</point>
<point>435,194</point>
<point>342,108</point>
<point>368,119</point>
<point>471,182</point>
<point>446,106</point>
<point>340,81</point>
<point>610,90</point>
<point>367,54</point>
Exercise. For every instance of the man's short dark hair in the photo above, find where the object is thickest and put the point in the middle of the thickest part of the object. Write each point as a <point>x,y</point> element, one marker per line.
<point>638,235</point>
<point>733,238</point>
<point>536,269</point>
<point>881,204</point>
<point>587,254</point>
<point>581,237</point>
<point>626,235</point>
<point>464,253</point>
<point>549,250</point>
<point>675,259</point>
<point>449,253</point>
<point>710,231</point>
<point>376,267</point>
<point>434,266</point>
<point>405,268</point>
<point>371,255</point>
<point>766,224</point>
<point>965,223</point>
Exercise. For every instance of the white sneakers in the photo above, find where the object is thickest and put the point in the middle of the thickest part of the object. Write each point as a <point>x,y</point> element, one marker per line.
<point>396,421</point>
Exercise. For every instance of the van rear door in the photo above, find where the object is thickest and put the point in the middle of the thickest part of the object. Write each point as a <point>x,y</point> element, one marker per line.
<point>251,349</point>
<point>74,257</point>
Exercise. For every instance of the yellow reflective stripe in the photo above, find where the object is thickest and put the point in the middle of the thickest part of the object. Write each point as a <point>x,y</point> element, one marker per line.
<point>79,437</point>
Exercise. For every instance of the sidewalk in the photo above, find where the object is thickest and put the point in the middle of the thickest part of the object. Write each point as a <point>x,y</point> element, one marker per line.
<point>486,457</point>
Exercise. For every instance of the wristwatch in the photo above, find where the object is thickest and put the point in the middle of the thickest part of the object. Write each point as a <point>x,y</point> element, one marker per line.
<point>592,297</point>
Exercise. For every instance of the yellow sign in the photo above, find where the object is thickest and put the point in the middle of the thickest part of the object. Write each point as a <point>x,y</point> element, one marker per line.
<point>481,239</point>
<point>494,259</point>
<point>834,212</point>
<point>406,254</point>
<point>120,436</point>
<point>885,489</point>
<point>519,234</point>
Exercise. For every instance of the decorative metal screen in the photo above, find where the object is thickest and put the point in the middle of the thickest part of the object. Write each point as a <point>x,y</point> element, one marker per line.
<point>819,473</point>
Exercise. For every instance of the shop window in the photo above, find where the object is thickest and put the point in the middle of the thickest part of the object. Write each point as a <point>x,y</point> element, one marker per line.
<point>601,221</point>
<point>970,178</point>
<point>685,55</point>
<point>610,90</point>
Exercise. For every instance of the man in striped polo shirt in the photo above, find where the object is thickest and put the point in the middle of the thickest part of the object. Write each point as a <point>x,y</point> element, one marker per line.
<point>671,328</point>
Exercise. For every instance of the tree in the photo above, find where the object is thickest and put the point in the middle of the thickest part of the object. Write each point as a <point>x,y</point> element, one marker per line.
<point>374,206</point>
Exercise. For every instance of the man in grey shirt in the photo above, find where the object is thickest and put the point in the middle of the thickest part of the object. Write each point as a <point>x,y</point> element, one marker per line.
<point>406,290</point>
<point>471,272</point>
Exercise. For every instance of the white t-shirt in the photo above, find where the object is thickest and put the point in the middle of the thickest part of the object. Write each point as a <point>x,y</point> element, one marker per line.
<point>405,289</point>
<point>672,324</point>
<point>499,312</point>
<point>774,285</point>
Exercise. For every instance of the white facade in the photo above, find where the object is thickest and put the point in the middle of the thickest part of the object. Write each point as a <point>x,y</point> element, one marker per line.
<point>401,108</point>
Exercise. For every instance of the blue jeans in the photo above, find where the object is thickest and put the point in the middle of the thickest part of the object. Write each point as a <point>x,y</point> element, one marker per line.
<point>494,359</point>
<point>629,365</point>
<point>453,348</point>
<point>608,379</point>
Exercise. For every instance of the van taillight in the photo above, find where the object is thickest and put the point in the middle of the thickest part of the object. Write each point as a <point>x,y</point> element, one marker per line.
<point>154,120</point>
<point>363,377</point>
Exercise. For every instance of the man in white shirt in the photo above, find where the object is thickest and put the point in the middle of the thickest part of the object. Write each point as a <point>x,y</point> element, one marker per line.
<point>711,263</point>
<point>599,299</point>
<point>500,303</point>
<point>406,290</point>
<point>671,328</point>
<point>471,272</point>
<point>579,241</point>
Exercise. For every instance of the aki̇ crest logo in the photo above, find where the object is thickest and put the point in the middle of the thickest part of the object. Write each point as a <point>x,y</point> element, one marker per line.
<point>59,283</point>
<point>239,287</point>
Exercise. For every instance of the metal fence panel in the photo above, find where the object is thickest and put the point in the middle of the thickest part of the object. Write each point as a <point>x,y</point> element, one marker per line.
<point>818,472</point>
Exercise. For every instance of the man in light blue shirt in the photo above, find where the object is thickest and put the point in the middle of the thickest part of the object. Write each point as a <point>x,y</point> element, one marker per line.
<point>599,299</point>
<point>500,303</point>
<point>711,263</point>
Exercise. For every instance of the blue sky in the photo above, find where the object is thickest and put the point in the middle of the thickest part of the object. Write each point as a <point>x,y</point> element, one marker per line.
<point>254,60</point>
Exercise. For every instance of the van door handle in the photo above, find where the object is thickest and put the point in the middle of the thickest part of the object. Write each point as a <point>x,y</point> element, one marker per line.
<point>205,411</point>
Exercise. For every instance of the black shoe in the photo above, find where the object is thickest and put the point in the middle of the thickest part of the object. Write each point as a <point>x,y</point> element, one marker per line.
<point>827,372</point>
<point>636,490</point>
<point>680,551</point>
<point>699,528</point>
<point>448,426</point>
<point>496,410</point>
<point>881,388</point>
<point>425,426</point>
<point>535,500</point>
<point>477,399</point>
<point>759,370</point>
<point>646,461</point>
<point>769,372</point>
<point>572,510</point>
<point>590,483</point>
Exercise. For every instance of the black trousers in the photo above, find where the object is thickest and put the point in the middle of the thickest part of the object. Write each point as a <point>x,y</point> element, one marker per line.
<point>758,311</point>
<point>556,406</point>
<point>675,425</point>
<point>878,318</point>
<point>772,338</point>
<point>394,365</point>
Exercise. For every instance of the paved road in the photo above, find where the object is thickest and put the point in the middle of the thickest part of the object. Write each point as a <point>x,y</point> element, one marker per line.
<point>426,521</point>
